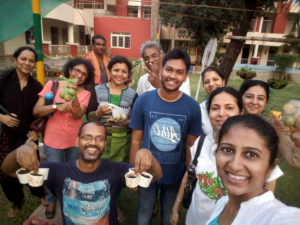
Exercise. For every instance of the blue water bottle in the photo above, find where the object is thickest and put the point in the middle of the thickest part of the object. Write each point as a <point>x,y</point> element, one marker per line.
<point>49,101</point>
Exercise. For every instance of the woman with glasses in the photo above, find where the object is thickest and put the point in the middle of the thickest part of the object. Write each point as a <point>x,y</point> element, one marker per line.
<point>62,128</point>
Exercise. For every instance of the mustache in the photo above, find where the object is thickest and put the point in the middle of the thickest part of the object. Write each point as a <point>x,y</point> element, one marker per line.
<point>92,146</point>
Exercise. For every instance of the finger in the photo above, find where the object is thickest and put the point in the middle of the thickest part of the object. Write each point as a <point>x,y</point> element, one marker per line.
<point>14,115</point>
<point>137,165</point>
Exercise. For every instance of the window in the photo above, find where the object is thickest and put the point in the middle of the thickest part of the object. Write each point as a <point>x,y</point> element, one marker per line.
<point>133,11</point>
<point>147,12</point>
<point>120,40</point>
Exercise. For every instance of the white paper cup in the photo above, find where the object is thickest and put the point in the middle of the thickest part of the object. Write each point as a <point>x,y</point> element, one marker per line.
<point>145,179</point>
<point>131,169</point>
<point>132,179</point>
<point>23,177</point>
<point>36,180</point>
<point>44,172</point>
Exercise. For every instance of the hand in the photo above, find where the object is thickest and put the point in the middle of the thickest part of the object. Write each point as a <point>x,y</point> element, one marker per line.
<point>103,110</point>
<point>32,136</point>
<point>63,107</point>
<point>111,120</point>
<point>154,77</point>
<point>27,158</point>
<point>10,120</point>
<point>143,160</point>
<point>174,217</point>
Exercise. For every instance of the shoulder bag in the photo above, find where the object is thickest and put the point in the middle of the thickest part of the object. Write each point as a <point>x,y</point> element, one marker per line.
<point>39,124</point>
<point>192,179</point>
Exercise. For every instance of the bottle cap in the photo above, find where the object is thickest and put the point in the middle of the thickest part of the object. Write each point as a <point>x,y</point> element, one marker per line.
<point>49,95</point>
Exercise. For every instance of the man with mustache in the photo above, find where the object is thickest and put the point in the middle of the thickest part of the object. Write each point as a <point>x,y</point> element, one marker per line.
<point>152,55</point>
<point>86,188</point>
<point>167,122</point>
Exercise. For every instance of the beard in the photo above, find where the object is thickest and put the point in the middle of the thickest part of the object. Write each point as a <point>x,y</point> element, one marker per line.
<point>86,158</point>
<point>169,90</point>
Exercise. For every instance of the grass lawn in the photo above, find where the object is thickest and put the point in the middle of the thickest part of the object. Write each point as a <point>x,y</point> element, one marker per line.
<point>287,189</point>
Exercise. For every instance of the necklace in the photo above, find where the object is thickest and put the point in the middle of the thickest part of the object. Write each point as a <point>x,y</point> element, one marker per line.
<point>168,100</point>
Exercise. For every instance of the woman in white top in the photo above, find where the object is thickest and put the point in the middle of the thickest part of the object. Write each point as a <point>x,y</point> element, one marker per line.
<point>212,79</point>
<point>255,96</point>
<point>222,103</point>
<point>246,156</point>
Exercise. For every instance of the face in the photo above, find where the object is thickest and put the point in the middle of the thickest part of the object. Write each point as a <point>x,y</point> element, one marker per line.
<point>99,46</point>
<point>25,62</point>
<point>91,142</point>
<point>152,58</point>
<point>243,162</point>
<point>222,107</point>
<point>79,72</point>
<point>255,100</point>
<point>173,74</point>
<point>119,73</point>
<point>212,81</point>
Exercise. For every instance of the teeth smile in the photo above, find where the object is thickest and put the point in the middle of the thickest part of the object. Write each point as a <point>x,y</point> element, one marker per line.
<point>236,177</point>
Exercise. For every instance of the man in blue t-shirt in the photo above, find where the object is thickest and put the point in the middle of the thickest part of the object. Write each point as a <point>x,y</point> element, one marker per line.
<point>86,188</point>
<point>167,122</point>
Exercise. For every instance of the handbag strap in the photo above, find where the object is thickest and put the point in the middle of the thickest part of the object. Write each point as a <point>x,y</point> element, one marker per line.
<point>54,87</point>
<point>199,147</point>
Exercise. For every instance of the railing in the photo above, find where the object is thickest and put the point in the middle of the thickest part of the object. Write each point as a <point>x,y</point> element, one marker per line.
<point>93,5</point>
<point>59,50</point>
<point>268,62</point>
<point>82,49</point>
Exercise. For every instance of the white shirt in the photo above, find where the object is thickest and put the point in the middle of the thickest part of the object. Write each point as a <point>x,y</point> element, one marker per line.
<point>144,85</point>
<point>206,125</point>
<point>209,187</point>
<point>264,209</point>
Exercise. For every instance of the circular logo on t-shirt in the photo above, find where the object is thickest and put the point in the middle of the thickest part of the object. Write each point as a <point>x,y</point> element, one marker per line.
<point>165,134</point>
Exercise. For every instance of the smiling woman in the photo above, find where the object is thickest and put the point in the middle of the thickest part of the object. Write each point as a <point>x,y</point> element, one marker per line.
<point>245,158</point>
<point>116,93</point>
<point>18,95</point>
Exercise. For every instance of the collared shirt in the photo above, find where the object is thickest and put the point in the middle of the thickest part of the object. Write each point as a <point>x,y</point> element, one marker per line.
<point>264,209</point>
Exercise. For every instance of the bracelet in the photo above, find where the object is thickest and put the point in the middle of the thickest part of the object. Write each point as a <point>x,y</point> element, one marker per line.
<point>178,199</point>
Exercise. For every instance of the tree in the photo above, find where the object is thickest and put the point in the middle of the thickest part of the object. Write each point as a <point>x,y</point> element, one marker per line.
<point>214,18</point>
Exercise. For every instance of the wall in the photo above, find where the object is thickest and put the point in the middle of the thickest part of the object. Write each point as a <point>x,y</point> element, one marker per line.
<point>11,45</point>
<point>48,23</point>
<point>121,7</point>
<point>137,27</point>
<point>281,17</point>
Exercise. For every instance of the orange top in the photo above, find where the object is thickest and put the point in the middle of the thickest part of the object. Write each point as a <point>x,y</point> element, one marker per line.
<point>62,129</point>
<point>90,56</point>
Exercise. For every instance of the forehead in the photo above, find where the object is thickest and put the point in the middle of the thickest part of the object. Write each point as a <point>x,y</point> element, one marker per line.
<point>177,64</point>
<point>120,65</point>
<point>80,66</point>
<point>27,53</point>
<point>99,41</point>
<point>211,74</point>
<point>93,129</point>
<point>150,50</point>
<point>224,98</point>
<point>258,90</point>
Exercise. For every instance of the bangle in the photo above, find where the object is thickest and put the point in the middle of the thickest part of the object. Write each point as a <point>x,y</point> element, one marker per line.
<point>178,199</point>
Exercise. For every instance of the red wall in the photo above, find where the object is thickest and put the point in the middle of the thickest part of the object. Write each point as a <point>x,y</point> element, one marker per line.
<point>138,28</point>
<point>121,7</point>
<point>281,17</point>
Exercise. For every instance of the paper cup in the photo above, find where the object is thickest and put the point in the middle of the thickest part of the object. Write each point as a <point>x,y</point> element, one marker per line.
<point>131,170</point>
<point>44,172</point>
<point>132,179</point>
<point>36,179</point>
<point>145,179</point>
<point>23,175</point>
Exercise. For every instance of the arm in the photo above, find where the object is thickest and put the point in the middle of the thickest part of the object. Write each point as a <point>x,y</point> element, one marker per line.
<point>145,161</point>
<point>136,143</point>
<point>40,109</point>
<point>25,156</point>
<point>190,139</point>
<point>77,110</point>
<point>176,207</point>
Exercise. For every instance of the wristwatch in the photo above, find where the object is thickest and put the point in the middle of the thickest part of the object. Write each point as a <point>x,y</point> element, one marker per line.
<point>54,106</point>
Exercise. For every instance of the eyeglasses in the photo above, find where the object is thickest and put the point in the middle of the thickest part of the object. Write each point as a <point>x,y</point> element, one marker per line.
<point>78,72</point>
<point>90,138</point>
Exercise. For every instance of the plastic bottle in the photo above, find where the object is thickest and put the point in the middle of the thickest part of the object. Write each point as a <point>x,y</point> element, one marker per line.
<point>49,101</point>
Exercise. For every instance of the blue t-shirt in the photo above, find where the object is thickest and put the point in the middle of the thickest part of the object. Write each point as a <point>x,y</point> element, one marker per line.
<point>165,125</point>
<point>87,198</point>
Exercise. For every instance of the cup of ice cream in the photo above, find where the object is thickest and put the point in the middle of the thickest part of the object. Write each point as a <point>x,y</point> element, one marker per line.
<point>44,172</point>
<point>145,179</point>
<point>23,175</point>
<point>132,179</point>
<point>36,179</point>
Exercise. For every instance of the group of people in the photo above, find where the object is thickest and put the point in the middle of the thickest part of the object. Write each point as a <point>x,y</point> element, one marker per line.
<point>237,165</point>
